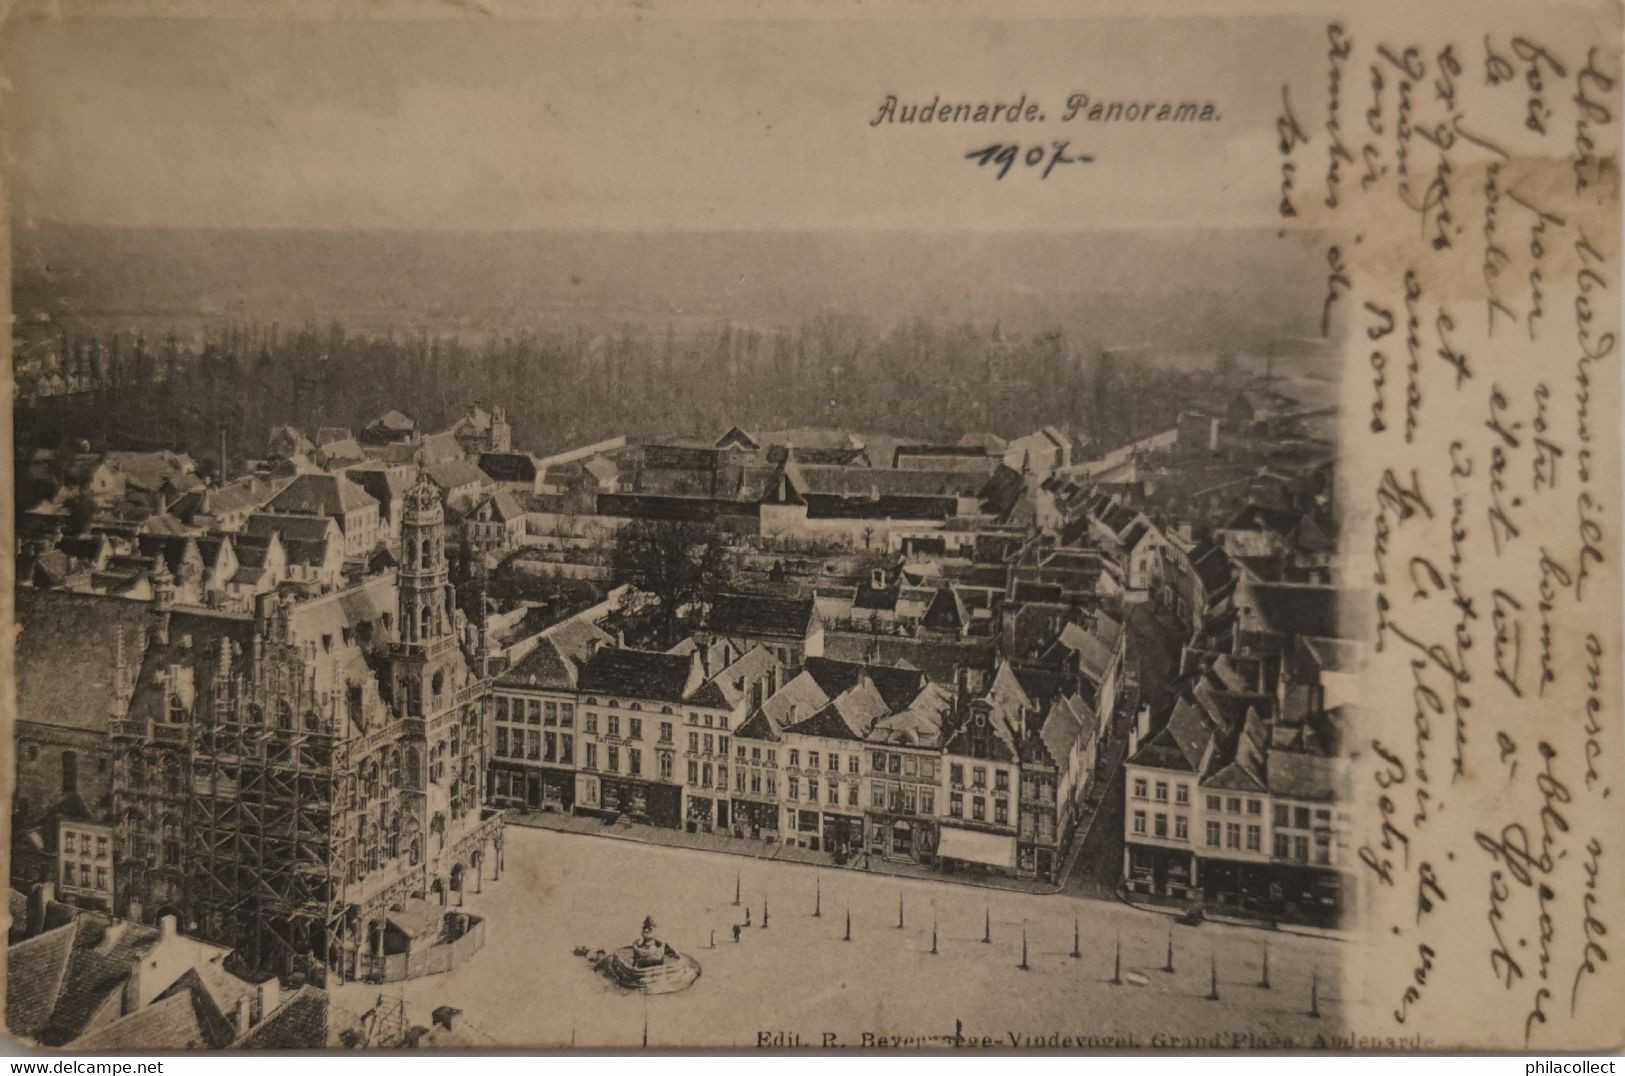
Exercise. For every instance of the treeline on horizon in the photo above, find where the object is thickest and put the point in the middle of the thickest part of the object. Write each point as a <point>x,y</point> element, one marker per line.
<point>569,387</point>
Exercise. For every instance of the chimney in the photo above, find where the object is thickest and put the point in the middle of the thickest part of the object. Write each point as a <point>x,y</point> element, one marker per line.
<point>168,927</point>
<point>240,1021</point>
<point>270,994</point>
<point>39,898</point>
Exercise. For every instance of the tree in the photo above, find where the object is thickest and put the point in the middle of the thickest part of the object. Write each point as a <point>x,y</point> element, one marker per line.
<point>675,561</point>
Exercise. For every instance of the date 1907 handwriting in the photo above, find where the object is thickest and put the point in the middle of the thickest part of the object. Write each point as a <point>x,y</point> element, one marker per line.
<point>1002,157</point>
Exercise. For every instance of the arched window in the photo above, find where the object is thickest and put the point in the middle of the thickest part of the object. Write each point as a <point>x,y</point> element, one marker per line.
<point>177,710</point>
<point>395,767</point>
<point>423,622</point>
<point>423,554</point>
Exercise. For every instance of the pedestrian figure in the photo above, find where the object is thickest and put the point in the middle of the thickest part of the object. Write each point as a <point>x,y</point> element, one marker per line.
<point>737,930</point>
<point>747,916</point>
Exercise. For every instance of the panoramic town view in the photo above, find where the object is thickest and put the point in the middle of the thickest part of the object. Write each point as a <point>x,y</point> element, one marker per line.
<point>344,727</point>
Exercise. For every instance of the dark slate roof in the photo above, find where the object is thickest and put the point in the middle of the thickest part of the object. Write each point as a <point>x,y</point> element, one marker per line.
<point>65,655</point>
<point>1297,775</point>
<point>509,466</point>
<point>98,969</point>
<point>1294,609</point>
<point>640,674</point>
<point>217,1030</point>
<point>826,722</point>
<point>299,1023</point>
<point>1211,565</point>
<point>830,457</point>
<point>875,598</point>
<point>758,726</point>
<point>35,970</point>
<point>755,614</point>
<point>898,686</point>
<point>321,495</point>
<point>170,1023</point>
<point>1259,517</point>
<point>1002,490</point>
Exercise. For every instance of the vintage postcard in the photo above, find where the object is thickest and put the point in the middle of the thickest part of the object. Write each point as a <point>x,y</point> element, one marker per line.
<point>818,526</point>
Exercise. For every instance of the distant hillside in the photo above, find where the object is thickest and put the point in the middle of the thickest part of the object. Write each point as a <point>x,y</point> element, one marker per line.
<point>1184,292</point>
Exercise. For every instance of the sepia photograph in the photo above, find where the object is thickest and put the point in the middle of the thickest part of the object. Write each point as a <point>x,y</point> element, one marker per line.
<point>611,527</point>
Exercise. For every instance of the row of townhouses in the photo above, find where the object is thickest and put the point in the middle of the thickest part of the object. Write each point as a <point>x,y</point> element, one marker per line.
<point>745,729</point>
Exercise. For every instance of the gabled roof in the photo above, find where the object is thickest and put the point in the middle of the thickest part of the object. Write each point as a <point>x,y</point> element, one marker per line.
<point>1295,609</point>
<point>171,1023</point>
<point>35,971</point>
<point>441,447</point>
<point>449,474</point>
<point>393,421</point>
<point>756,614</point>
<point>920,724</point>
<point>299,1023</point>
<point>505,507</point>
<point>104,953</point>
<point>1302,776</point>
<point>637,674</point>
<point>290,527</point>
<point>898,686</point>
<point>509,466</point>
<point>556,658</point>
<point>321,494</point>
<point>65,655</point>
<point>947,611</point>
<point>1258,517</point>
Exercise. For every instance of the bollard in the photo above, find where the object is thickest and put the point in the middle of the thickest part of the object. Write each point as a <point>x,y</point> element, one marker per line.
<point>933,937</point>
<point>764,913</point>
<point>1168,964</point>
<point>818,898</point>
<point>987,927</point>
<point>1314,993</point>
<point>713,937</point>
<point>1117,963</point>
<point>1023,965</point>
<point>1264,976</point>
<point>1213,987</point>
<point>1077,953</point>
<point>848,923</point>
<point>899,911</point>
<point>736,889</point>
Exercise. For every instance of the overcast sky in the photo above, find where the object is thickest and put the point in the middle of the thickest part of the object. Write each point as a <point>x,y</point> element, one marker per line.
<point>678,123</point>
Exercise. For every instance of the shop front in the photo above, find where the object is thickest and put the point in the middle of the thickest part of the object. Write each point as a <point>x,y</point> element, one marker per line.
<point>700,814</point>
<point>1160,872</point>
<point>843,835</point>
<point>976,851</point>
<point>910,840</point>
<point>755,820</point>
<point>641,801</point>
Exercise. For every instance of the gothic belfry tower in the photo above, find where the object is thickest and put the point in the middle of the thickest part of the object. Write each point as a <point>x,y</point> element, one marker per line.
<point>425,611</point>
<point>435,693</point>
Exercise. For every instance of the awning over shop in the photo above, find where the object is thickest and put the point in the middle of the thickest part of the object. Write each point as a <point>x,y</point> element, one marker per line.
<point>972,846</point>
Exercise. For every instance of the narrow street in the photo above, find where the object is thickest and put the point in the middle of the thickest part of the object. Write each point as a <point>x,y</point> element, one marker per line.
<point>1153,647</point>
